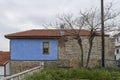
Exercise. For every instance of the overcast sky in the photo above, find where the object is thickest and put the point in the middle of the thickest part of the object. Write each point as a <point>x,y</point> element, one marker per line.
<point>19,15</point>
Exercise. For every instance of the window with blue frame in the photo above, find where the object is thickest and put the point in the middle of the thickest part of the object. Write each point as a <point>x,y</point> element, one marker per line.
<point>46,47</point>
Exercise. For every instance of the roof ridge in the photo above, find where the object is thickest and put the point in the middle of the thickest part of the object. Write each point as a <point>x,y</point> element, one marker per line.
<point>45,33</point>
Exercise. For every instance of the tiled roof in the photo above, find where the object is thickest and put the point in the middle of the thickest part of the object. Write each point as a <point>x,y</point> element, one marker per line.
<point>4,57</point>
<point>45,33</point>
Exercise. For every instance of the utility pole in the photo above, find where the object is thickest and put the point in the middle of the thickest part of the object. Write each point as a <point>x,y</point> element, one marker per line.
<point>102,33</point>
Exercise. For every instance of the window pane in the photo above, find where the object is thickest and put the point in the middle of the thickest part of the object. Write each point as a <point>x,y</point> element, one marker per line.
<point>45,50</point>
<point>117,51</point>
<point>45,47</point>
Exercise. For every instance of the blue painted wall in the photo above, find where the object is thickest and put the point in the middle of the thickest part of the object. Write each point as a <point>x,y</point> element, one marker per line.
<point>31,49</point>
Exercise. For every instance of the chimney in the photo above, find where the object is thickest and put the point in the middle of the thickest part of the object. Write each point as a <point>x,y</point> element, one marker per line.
<point>61,29</point>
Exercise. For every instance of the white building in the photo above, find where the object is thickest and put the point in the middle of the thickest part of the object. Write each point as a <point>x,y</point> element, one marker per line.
<point>117,46</point>
<point>4,64</point>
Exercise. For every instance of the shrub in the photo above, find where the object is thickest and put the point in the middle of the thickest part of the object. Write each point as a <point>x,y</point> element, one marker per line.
<point>73,74</point>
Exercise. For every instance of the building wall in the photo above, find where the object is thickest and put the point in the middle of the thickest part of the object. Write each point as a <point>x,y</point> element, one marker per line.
<point>19,66</point>
<point>117,52</point>
<point>117,46</point>
<point>27,53</point>
<point>117,40</point>
<point>7,69</point>
<point>1,70</point>
<point>117,56</point>
<point>31,49</point>
<point>69,52</point>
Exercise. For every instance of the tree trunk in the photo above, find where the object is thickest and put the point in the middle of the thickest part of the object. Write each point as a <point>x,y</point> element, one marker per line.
<point>89,52</point>
<point>81,47</point>
<point>90,48</point>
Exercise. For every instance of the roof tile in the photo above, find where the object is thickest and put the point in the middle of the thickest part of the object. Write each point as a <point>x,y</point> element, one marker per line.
<point>4,57</point>
<point>45,33</point>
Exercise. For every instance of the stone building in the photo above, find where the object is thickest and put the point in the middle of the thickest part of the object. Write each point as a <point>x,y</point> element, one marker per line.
<point>69,52</point>
<point>117,46</point>
<point>4,64</point>
<point>29,48</point>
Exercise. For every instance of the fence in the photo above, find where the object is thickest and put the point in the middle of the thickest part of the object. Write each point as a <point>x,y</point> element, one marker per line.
<point>20,76</point>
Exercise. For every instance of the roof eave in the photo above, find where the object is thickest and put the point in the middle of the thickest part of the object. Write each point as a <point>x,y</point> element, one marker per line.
<point>20,37</point>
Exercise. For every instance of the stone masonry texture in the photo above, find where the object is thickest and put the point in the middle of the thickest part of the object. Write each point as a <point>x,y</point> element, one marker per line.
<point>69,55</point>
<point>69,52</point>
<point>19,66</point>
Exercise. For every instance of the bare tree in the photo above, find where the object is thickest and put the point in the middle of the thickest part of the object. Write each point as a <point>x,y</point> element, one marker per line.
<point>91,21</point>
<point>74,24</point>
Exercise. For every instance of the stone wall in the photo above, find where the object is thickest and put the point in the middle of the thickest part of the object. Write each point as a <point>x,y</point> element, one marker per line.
<point>69,52</point>
<point>19,66</point>
<point>69,55</point>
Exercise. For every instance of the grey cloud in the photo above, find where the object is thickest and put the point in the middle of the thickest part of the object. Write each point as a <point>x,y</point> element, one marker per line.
<point>17,15</point>
<point>7,30</point>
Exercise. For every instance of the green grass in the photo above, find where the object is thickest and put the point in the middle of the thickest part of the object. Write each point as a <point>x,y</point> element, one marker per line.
<point>75,74</point>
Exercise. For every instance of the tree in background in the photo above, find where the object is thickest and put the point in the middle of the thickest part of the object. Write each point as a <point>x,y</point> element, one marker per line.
<point>89,20</point>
